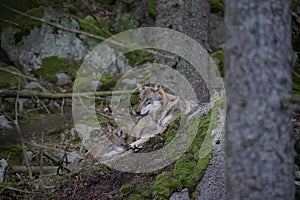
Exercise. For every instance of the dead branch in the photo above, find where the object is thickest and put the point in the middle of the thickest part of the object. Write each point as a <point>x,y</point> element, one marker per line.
<point>49,95</point>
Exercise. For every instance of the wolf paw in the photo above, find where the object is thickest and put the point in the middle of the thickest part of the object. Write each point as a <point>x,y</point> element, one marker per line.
<point>135,146</point>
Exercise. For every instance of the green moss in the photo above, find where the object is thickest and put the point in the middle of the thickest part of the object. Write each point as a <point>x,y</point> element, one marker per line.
<point>13,152</point>
<point>201,134</point>
<point>217,6</point>
<point>90,25</point>
<point>190,167</point>
<point>103,121</point>
<point>172,130</point>
<point>152,8</point>
<point>8,80</point>
<point>20,5</point>
<point>135,99</point>
<point>125,188</point>
<point>165,185</point>
<point>29,24</point>
<point>218,56</point>
<point>135,197</point>
<point>144,191</point>
<point>108,82</point>
<point>123,23</point>
<point>137,57</point>
<point>52,65</point>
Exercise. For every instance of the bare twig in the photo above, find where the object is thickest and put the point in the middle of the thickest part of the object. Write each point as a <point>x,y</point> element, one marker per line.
<point>15,189</point>
<point>20,134</point>
<point>43,105</point>
<point>17,74</point>
<point>9,22</point>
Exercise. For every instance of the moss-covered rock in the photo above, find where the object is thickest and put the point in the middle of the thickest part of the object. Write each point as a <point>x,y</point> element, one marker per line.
<point>53,65</point>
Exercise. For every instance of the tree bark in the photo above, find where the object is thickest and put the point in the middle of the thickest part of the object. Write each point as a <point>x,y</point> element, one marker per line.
<point>259,163</point>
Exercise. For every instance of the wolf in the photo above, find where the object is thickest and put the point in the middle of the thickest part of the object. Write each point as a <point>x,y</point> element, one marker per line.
<point>156,110</point>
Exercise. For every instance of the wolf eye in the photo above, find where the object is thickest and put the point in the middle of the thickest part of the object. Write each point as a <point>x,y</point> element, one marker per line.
<point>148,102</point>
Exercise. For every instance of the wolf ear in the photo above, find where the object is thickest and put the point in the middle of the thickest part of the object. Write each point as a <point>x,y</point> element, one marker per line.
<point>157,86</point>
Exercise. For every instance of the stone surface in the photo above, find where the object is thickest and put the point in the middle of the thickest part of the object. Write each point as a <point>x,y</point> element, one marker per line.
<point>212,184</point>
<point>182,195</point>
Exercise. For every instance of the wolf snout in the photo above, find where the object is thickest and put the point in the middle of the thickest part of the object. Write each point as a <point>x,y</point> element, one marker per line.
<point>141,112</point>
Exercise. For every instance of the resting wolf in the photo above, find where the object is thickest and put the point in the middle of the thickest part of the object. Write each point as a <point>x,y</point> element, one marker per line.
<point>156,110</point>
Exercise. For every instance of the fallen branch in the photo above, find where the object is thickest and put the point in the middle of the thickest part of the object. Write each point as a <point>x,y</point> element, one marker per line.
<point>49,95</point>
<point>34,169</point>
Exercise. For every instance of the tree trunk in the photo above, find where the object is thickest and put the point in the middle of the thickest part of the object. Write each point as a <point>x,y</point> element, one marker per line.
<point>259,163</point>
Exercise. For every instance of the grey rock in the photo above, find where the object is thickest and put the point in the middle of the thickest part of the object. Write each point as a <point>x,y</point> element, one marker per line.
<point>3,166</point>
<point>35,86</point>
<point>4,123</point>
<point>63,79</point>
<point>212,184</point>
<point>96,85</point>
<point>182,195</point>
<point>43,42</point>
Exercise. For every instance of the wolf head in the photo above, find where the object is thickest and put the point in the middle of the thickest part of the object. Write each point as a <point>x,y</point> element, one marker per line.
<point>151,99</point>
